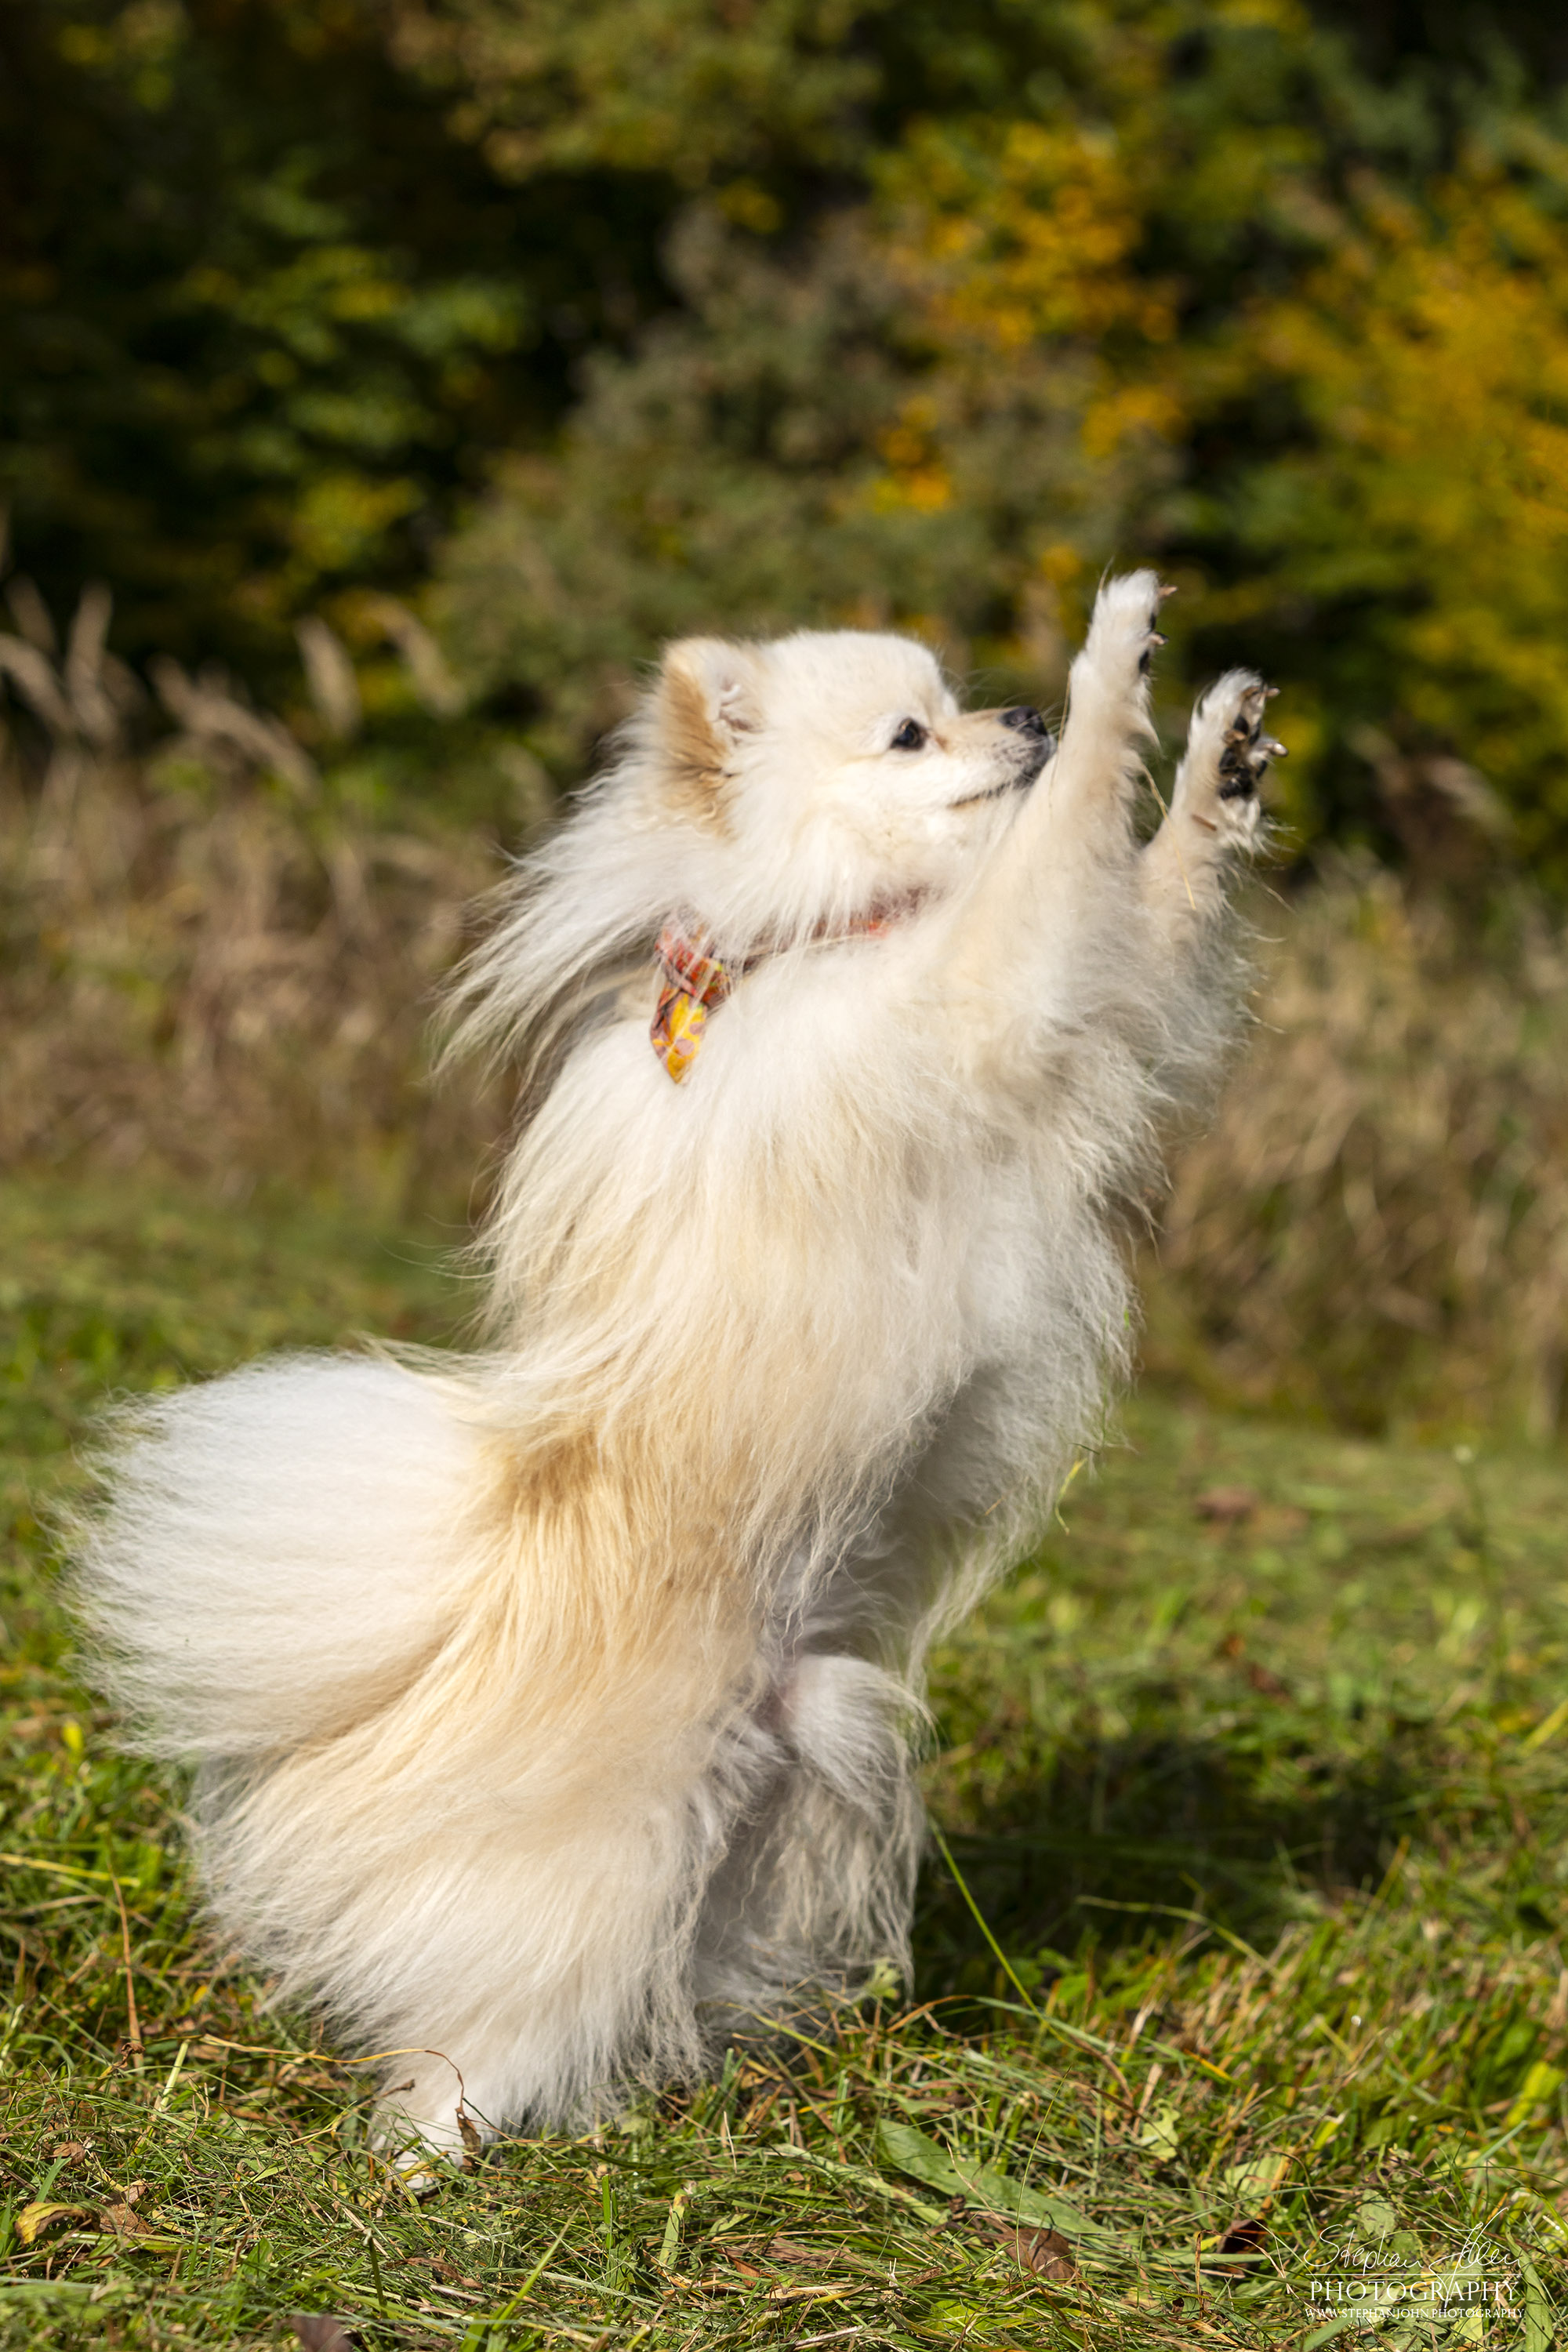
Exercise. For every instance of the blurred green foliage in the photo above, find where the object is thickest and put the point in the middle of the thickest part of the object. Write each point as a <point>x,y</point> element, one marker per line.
<point>588,323</point>
<point>263,317</point>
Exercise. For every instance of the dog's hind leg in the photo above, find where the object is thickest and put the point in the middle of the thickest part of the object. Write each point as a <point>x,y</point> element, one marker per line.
<point>816,1887</point>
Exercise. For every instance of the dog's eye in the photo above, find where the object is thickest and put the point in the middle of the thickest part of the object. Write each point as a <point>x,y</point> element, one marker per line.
<point>911,737</point>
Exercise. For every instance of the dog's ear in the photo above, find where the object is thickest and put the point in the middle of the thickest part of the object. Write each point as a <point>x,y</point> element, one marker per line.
<point>705,700</point>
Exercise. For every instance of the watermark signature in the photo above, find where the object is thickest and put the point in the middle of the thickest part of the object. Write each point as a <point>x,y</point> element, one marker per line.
<point>1370,2270</point>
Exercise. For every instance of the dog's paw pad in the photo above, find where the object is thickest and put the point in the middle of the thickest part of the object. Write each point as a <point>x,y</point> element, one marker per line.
<point>1245,749</point>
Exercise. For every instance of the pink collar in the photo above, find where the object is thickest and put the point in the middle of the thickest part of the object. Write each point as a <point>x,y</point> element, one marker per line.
<point>692,980</point>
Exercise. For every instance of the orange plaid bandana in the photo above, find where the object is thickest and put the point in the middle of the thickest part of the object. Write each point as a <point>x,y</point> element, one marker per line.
<point>690,982</point>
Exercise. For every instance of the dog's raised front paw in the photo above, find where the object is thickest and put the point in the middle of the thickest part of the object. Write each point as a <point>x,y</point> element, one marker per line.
<point>1227,756</point>
<point>1246,749</point>
<point>1125,629</point>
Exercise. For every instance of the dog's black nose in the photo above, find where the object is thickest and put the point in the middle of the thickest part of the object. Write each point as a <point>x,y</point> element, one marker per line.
<point>1026,718</point>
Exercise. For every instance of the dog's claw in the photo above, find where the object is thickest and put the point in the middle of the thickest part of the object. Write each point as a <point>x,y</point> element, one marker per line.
<point>1247,751</point>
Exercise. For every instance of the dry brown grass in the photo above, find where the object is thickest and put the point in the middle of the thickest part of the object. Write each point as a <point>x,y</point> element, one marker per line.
<point>1376,1225</point>
<point>210,966</point>
<point>207,964</point>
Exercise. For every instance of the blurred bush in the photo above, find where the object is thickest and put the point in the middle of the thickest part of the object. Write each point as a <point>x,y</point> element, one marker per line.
<point>1376,1228</point>
<point>1191,290</point>
<point>265,315</point>
<point>763,460</point>
<point>214,963</point>
<point>620,318</point>
<point>427,361</point>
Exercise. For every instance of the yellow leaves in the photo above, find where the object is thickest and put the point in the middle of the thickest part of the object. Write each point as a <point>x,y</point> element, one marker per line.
<point>1016,243</point>
<point>750,207</point>
<point>1061,563</point>
<point>917,476</point>
<point>1124,411</point>
<point>1429,352</point>
<point>1538,2086</point>
<point>1453,326</point>
<point>34,2219</point>
<point>119,2219</point>
<point>1026,237</point>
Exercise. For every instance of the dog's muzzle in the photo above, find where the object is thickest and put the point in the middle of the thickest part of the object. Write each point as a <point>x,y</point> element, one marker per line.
<point>1035,745</point>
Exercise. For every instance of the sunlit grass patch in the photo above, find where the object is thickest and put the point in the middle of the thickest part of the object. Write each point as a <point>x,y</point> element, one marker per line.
<point>1256,1777</point>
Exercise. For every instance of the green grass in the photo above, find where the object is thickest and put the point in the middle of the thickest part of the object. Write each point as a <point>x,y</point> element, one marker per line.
<point>1264,1817</point>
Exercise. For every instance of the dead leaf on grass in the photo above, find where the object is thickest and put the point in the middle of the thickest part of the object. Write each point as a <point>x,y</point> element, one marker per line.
<point>318,2331</point>
<point>1048,2254</point>
<point>1245,2237</point>
<point>34,2219</point>
<point>804,2258</point>
<point>1227,1507</point>
<point>125,2223</point>
<point>1268,1685</point>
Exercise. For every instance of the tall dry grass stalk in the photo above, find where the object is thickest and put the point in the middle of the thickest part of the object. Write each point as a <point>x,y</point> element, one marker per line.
<point>205,965</point>
<point>1376,1225</point>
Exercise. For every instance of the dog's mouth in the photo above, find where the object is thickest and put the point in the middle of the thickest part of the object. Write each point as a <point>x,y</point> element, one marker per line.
<point>1022,776</point>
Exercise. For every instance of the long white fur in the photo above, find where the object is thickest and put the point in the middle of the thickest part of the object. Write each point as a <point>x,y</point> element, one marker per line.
<point>554,1705</point>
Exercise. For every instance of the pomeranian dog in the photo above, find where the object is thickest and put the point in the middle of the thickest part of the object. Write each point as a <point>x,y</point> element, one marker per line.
<point>553,1704</point>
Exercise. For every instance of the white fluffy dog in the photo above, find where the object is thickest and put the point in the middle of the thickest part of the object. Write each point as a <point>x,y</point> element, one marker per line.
<point>552,1705</point>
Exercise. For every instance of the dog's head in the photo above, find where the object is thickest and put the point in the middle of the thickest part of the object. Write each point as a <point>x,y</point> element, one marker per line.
<point>831,769</point>
<point>766,794</point>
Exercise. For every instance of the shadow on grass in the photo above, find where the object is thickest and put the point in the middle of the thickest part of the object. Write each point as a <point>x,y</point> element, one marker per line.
<point>1121,1836</point>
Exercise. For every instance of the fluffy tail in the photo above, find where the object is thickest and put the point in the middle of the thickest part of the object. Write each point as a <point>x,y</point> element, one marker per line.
<point>437,1793</point>
<point>536,1848</point>
<point>279,1552</point>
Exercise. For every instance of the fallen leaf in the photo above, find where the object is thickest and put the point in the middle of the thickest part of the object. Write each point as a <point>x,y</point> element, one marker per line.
<point>806,2258</point>
<point>70,2148</point>
<point>1044,2251</point>
<point>125,2223</point>
<point>1226,1505</point>
<point>1234,1648</point>
<point>34,2219</point>
<point>1245,2237</point>
<point>472,2140</point>
<point>1256,2178</point>
<point>1279,1522</point>
<point>1159,2134</point>
<point>318,2331</point>
<point>983,2186</point>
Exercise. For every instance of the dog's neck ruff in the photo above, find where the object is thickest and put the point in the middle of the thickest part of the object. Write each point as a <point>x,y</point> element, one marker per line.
<point>692,982</point>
